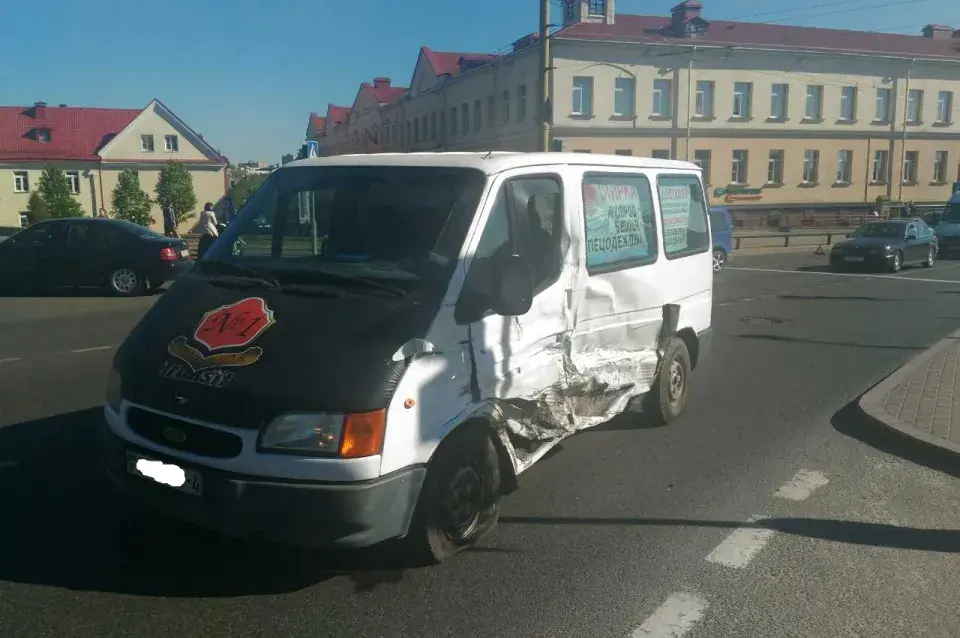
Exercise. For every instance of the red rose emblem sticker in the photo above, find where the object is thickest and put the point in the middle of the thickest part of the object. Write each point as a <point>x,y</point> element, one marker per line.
<point>234,325</point>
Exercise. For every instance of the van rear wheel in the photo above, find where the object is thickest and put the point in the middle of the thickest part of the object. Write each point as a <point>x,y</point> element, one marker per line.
<point>667,399</point>
<point>459,503</point>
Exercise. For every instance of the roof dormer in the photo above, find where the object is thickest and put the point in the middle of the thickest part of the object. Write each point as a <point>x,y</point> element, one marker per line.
<point>685,20</point>
<point>42,134</point>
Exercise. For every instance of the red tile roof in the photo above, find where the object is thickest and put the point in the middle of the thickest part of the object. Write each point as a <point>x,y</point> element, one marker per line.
<point>653,30</point>
<point>75,133</point>
<point>448,63</point>
<point>318,122</point>
<point>382,91</point>
<point>338,114</point>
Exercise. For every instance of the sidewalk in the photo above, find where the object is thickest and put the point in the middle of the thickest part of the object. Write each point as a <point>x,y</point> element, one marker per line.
<point>922,399</point>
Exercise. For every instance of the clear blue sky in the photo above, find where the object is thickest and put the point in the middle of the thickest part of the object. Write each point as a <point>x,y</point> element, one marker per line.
<point>246,73</point>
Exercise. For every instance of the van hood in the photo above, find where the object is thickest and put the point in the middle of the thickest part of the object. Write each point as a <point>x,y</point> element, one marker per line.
<point>242,356</point>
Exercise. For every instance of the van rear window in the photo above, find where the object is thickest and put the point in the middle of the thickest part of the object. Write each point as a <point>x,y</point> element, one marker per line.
<point>684,215</point>
<point>619,221</point>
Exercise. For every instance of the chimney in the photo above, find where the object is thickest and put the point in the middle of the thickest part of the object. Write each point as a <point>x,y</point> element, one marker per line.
<point>684,12</point>
<point>39,110</point>
<point>526,41</point>
<point>937,32</point>
<point>381,83</point>
<point>63,106</point>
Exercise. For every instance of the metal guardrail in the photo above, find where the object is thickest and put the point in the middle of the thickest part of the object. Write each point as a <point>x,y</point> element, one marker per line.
<point>786,236</point>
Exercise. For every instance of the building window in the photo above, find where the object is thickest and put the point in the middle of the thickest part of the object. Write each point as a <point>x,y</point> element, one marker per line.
<point>424,125</point>
<point>742,98</point>
<point>433,126</point>
<point>24,220</point>
<point>416,130</point>
<point>738,174</point>
<point>146,143</point>
<point>940,167</point>
<point>661,153</point>
<point>477,115</point>
<point>944,107</point>
<point>521,102</point>
<point>465,118</point>
<point>443,124</point>
<point>453,122</point>
<point>814,105</point>
<point>914,106</point>
<point>811,167</point>
<point>910,161</point>
<point>73,180</point>
<point>43,135</point>
<point>883,106</point>
<point>409,136</point>
<point>582,96</point>
<point>779,96</point>
<point>880,162</point>
<point>848,103</point>
<point>662,98</point>
<point>597,8</point>
<point>171,143</point>
<point>704,99</point>
<point>702,159</point>
<point>844,167</point>
<point>623,97</point>
<point>775,167</point>
<point>21,182</point>
<point>491,111</point>
<point>623,151</point>
<point>582,150</point>
<point>505,107</point>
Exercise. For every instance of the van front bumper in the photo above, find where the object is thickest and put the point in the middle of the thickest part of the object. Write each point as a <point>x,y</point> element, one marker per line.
<point>307,514</point>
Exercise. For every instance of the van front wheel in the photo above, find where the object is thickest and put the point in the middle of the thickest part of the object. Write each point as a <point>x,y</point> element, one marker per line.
<point>719,260</point>
<point>459,503</point>
<point>668,397</point>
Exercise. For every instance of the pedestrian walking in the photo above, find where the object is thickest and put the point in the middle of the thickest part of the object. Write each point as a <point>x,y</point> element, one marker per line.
<point>208,229</point>
<point>170,222</point>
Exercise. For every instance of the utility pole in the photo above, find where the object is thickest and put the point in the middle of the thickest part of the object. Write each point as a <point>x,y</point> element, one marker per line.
<point>544,136</point>
<point>903,137</point>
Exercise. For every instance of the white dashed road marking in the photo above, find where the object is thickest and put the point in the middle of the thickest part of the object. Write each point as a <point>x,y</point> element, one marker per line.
<point>674,618</point>
<point>9,359</point>
<point>802,485</point>
<point>848,274</point>
<point>739,548</point>
<point>82,350</point>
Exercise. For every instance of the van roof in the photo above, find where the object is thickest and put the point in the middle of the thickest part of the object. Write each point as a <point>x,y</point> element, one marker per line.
<point>494,161</point>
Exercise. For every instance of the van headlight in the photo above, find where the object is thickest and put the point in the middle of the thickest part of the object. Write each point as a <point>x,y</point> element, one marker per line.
<point>114,383</point>
<point>346,435</point>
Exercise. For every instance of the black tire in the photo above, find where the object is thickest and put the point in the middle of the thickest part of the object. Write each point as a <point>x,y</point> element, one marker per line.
<point>466,459</point>
<point>897,262</point>
<point>719,260</point>
<point>126,281</point>
<point>931,257</point>
<point>662,404</point>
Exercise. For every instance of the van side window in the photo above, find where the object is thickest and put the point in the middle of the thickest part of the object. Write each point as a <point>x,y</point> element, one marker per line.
<point>620,229</point>
<point>684,216</point>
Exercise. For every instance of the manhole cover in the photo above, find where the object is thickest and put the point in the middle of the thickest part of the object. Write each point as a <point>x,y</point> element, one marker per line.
<point>761,320</point>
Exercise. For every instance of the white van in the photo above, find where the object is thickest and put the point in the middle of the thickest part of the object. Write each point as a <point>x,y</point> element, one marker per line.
<point>380,344</point>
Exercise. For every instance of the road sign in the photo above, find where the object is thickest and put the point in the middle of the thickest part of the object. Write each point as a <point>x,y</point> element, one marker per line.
<point>313,148</point>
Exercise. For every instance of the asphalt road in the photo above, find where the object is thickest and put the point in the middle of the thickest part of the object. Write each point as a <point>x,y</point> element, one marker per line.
<point>770,509</point>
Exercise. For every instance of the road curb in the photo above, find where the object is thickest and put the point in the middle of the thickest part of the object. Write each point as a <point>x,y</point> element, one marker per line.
<point>871,403</point>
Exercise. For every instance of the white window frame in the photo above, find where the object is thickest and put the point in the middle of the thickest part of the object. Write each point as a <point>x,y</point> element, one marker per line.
<point>73,179</point>
<point>944,107</point>
<point>844,167</point>
<point>171,148</point>
<point>21,182</point>
<point>882,105</point>
<point>779,96</point>
<point>703,103</point>
<point>911,161</point>
<point>144,146</point>
<point>775,162</point>
<point>624,91</point>
<point>24,219</point>
<point>662,98</point>
<point>881,160</point>
<point>660,153</point>
<point>914,106</point>
<point>941,161</point>
<point>581,95</point>
<point>848,103</point>
<point>739,166</point>
<point>811,166</point>
<point>742,100</point>
<point>813,105</point>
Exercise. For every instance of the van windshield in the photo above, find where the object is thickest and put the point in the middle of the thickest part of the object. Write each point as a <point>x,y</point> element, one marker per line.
<point>951,213</point>
<point>405,224</point>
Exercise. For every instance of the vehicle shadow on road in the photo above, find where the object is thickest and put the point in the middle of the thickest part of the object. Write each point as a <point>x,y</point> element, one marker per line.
<point>852,532</point>
<point>63,526</point>
<point>68,293</point>
<point>851,421</point>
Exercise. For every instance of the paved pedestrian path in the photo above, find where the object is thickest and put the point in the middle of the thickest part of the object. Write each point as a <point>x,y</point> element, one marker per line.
<point>922,399</point>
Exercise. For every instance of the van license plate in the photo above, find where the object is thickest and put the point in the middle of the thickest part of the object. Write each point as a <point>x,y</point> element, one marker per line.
<point>167,474</point>
<point>854,259</point>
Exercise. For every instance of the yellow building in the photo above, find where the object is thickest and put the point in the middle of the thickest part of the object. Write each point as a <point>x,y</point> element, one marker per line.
<point>93,145</point>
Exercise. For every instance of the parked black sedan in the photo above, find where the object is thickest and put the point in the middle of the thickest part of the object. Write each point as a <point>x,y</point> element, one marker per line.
<point>887,245</point>
<point>123,257</point>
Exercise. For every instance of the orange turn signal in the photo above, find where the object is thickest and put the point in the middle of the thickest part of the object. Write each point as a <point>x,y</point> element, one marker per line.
<point>363,434</point>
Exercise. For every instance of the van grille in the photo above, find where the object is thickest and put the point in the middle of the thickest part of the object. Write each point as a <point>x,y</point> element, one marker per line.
<point>196,439</point>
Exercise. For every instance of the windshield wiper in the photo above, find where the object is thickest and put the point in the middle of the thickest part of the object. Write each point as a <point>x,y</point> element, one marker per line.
<point>243,272</point>
<point>393,291</point>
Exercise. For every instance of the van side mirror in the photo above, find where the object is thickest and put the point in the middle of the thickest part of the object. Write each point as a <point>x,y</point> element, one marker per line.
<point>514,291</point>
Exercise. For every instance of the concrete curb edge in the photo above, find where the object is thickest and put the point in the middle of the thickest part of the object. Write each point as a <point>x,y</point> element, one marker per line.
<point>871,403</point>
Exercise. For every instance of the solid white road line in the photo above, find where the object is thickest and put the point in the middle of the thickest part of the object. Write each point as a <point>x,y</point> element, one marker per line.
<point>802,485</point>
<point>10,359</point>
<point>739,548</point>
<point>82,350</point>
<point>675,617</point>
<point>848,274</point>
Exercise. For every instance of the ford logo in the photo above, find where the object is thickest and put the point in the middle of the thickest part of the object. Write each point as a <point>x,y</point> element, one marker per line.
<point>174,435</point>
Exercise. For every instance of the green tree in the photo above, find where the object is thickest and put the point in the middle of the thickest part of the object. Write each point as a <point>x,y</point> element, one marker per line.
<point>56,194</point>
<point>245,188</point>
<point>37,210</point>
<point>129,202</point>
<point>175,189</point>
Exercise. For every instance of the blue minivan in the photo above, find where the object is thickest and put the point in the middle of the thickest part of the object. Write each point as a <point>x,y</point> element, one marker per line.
<point>947,229</point>
<point>721,225</point>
